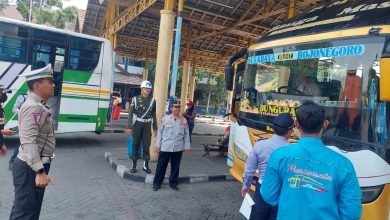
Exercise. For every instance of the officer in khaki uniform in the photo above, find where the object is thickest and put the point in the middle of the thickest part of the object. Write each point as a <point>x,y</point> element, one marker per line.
<point>31,167</point>
<point>173,137</point>
<point>142,115</point>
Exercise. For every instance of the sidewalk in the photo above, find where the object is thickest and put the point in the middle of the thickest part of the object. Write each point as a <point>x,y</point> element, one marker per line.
<point>194,167</point>
<point>202,126</point>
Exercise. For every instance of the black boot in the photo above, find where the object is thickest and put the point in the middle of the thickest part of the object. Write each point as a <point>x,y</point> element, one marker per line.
<point>134,167</point>
<point>146,167</point>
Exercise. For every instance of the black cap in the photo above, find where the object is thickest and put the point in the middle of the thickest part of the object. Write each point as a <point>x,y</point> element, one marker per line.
<point>176,103</point>
<point>283,122</point>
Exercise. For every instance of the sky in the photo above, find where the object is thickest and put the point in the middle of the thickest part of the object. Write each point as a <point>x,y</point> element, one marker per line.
<point>80,4</point>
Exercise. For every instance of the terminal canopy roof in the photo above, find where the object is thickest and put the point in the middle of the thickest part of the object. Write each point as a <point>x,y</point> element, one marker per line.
<point>219,28</point>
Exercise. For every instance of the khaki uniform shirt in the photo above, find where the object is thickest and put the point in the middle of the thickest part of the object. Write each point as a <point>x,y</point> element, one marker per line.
<point>173,134</point>
<point>36,132</point>
<point>140,109</point>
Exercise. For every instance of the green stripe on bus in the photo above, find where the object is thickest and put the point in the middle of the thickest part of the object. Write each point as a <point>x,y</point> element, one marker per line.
<point>77,118</point>
<point>84,97</point>
<point>102,114</point>
<point>77,76</point>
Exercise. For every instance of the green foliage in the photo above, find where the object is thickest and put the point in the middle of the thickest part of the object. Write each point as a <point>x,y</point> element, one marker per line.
<point>178,82</point>
<point>151,71</point>
<point>218,92</point>
<point>50,13</point>
<point>3,4</point>
<point>216,86</point>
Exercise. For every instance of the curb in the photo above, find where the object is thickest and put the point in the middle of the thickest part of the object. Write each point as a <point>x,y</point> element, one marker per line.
<point>202,122</point>
<point>124,173</point>
<point>213,123</point>
<point>206,134</point>
<point>122,131</point>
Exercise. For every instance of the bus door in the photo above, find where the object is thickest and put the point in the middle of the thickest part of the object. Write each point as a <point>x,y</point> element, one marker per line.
<point>42,54</point>
<point>240,69</point>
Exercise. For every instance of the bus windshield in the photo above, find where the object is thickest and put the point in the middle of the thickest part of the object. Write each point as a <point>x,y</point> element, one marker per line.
<point>341,75</point>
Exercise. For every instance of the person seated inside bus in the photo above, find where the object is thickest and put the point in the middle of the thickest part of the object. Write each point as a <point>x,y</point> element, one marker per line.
<point>309,86</point>
<point>251,95</point>
<point>352,87</point>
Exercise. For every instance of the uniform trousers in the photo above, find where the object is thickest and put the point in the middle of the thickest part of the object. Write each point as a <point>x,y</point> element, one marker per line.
<point>28,197</point>
<point>162,164</point>
<point>141,131</point>
<point>262,210</point>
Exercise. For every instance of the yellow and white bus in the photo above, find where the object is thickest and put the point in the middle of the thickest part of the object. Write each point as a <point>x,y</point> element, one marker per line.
<point>337,55</point>
<point>82,67</point>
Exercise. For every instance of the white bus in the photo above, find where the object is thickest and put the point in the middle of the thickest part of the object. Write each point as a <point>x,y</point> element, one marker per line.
<point>82,67</point>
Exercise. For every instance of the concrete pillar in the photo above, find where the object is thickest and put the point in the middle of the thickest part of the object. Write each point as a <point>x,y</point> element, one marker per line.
<point>184,84</point>
<point>161,80</point>
<point>191,89</point>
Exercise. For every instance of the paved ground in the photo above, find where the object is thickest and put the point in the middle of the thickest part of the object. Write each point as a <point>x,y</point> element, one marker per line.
<point>87,188</point>
<point>202,125</point>
<point>194,167</point>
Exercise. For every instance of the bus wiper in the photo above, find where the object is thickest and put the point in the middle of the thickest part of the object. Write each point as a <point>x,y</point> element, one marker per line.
<point>251,123</point>
<point>348,144</point>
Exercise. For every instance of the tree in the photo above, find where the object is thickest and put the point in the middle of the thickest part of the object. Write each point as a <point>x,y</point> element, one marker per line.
<point>215,89</point>
<point>3,4</point>
<point>47,12</point>
<point>151,71</point>
<point>218,92</point>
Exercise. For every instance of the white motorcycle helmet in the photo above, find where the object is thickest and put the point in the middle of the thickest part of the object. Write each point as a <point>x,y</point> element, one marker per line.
<point>146,84</point>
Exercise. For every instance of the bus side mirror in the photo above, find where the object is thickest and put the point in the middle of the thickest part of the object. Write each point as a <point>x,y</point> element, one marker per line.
<point>384,81</point>
<point>229,76</point>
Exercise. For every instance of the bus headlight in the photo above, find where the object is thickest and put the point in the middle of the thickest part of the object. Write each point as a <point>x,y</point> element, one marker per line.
<point>370,194</point>
<point>240,154</point>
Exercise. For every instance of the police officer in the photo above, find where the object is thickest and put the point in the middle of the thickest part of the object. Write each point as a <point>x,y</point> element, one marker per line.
<point>142,115</point>
<point>3,131</point>
<point>172,139</point>
<point>31,167</point>
<point>16,109</point>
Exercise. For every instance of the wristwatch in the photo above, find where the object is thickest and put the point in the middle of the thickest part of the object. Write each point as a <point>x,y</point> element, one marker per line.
<point>40,171</point>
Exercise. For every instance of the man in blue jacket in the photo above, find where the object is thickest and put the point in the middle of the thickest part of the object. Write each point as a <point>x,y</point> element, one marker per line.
<point>308,180</point>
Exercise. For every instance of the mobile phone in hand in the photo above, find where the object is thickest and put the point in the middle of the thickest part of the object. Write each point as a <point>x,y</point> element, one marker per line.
<point>16,129</point>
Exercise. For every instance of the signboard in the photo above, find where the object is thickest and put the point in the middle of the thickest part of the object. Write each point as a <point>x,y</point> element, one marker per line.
<point>340,51</point>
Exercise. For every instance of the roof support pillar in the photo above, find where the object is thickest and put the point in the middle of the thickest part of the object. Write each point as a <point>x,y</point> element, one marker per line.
<point>161,80</point>
<point>146,64</point>
<point>169,4</point>
<point>177,48</point>
<point>191,90</point>
<point>186,72</point>
<point>291,9</point>
<point>184,84</point>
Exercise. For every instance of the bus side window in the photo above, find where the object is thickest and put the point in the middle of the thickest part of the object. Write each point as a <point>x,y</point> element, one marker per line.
<point>84,54</point>
<point>13,43</point>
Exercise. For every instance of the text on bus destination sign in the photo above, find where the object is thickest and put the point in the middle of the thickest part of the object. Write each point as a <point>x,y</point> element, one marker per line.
<point>341,51</point>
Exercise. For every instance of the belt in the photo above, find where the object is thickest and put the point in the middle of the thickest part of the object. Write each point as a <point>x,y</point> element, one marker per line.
<point>144,120</point>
